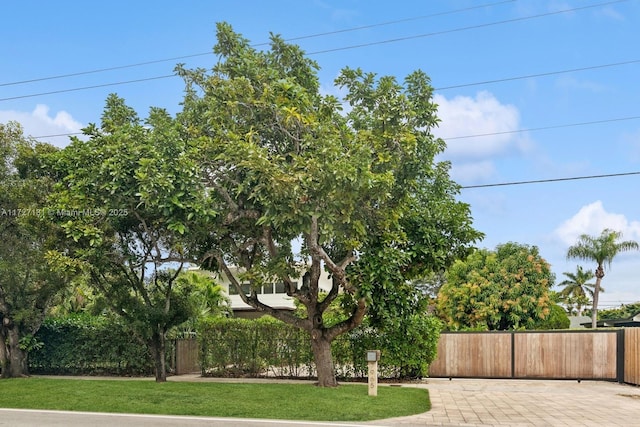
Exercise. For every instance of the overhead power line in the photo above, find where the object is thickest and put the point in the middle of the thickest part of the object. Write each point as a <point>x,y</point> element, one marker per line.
<point>383,42</point>
<point>549,73</point>
<point>593,122</point>
<point>539,181</point>
<point>471,27</point>
<point>484,82</point>
<point>316,35</point>
<point>75,89</point>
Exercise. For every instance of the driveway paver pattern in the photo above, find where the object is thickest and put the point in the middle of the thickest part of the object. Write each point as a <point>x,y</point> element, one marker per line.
<point>526,403</point>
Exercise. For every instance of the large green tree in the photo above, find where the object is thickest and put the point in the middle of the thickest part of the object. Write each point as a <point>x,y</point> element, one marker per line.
<point>357,189</point>
<point>497,290</point>
<point>28,283</point>
<point>127,196</point>
<point>602,250</point>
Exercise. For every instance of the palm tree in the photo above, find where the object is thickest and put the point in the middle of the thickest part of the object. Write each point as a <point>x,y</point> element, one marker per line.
<point>576,288</point>
<point>601,249</point>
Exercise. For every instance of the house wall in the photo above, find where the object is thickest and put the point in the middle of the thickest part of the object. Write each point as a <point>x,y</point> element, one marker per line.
<point>272,294</point>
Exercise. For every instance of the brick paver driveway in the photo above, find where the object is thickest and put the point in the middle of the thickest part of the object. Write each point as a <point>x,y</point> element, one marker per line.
<point>483,402</point>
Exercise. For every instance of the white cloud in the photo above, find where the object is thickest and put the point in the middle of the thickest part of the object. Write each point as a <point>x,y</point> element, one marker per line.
<point>39,123</point>
<point>484,114</point>
<point>592,219</point>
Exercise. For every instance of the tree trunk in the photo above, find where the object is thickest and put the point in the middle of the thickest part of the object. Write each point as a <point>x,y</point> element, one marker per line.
<point>158,350</point>
<point>4,351</point>
<point>13,359</point>
<point>324,362</point>
<point>596,294</point>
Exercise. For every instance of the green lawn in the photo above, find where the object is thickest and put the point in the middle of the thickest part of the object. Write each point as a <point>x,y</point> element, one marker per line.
<point>348,402</point>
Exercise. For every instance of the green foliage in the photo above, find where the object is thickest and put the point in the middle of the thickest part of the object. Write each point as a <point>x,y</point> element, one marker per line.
<point>29,283</point>
<point>577,289</point>
<point>625,311</point>
<point>408,347</point>
<point>361,190</point>
<point>129,199</point>
<point>497,290</point>
<point>206,300</point>
<point>601,250</point>
<point>557,319</point>
<point>240,347</point>
<point>88,345</point>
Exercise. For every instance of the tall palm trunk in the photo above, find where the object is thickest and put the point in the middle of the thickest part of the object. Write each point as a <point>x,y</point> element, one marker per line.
<point>596,295</point>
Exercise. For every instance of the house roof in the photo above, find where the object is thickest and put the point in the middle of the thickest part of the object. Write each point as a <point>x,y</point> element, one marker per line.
<point>633,321</point>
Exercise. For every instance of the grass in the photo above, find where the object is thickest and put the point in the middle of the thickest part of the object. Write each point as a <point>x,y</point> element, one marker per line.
<point>349,402</point>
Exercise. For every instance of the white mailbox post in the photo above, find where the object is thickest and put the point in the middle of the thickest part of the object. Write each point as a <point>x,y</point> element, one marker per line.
<point>372,360</point>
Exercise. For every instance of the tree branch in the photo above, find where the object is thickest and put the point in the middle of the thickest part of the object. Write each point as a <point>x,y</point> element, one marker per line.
<point>349,324</point>
<point>337,270</point>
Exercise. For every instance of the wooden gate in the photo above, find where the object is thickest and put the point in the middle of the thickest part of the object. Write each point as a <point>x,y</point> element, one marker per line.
<point>187,356</point>
<point>600,354</point>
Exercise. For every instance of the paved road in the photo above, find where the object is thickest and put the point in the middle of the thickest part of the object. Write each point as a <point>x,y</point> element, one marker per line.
<point>34,418</point>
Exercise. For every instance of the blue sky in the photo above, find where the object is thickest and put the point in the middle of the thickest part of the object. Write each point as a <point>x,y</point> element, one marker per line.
<point>504,68</point>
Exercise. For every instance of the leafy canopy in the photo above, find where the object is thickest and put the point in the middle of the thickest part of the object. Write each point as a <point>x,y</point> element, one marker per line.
<point>497,290</point>
<point>354,182</point>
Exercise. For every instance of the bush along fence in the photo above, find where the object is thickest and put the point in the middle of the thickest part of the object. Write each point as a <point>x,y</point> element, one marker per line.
<point>87,345</point>
<point>266,347</point>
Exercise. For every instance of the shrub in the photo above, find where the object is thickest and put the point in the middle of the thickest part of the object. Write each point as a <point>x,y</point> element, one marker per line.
<point>88,345</point>
<point>240,347</point>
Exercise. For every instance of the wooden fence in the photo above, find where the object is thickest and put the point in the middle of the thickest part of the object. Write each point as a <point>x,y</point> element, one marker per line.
<point>540,354</point>
<point>632,356</point>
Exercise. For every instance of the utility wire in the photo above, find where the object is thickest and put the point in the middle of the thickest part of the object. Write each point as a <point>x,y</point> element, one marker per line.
<point>328,33</point>
<point>75,89</point>
<point>538,181</point>
<point>550,73</point>
<point>383,42</point>
<point>593,122</point>
<point>484,82</point>
<point>471,27</point>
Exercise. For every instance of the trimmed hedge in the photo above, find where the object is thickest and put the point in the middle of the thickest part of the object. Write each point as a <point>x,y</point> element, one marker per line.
<point>240,347</point>
<point>231,347</point>
<point>88,345</point>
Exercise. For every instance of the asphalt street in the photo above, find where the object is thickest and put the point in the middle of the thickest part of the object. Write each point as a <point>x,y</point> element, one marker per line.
<point>36,418</point>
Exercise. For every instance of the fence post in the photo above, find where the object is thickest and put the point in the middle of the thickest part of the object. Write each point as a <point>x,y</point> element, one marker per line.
<point>620,355</point>
<point>513,354</point>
